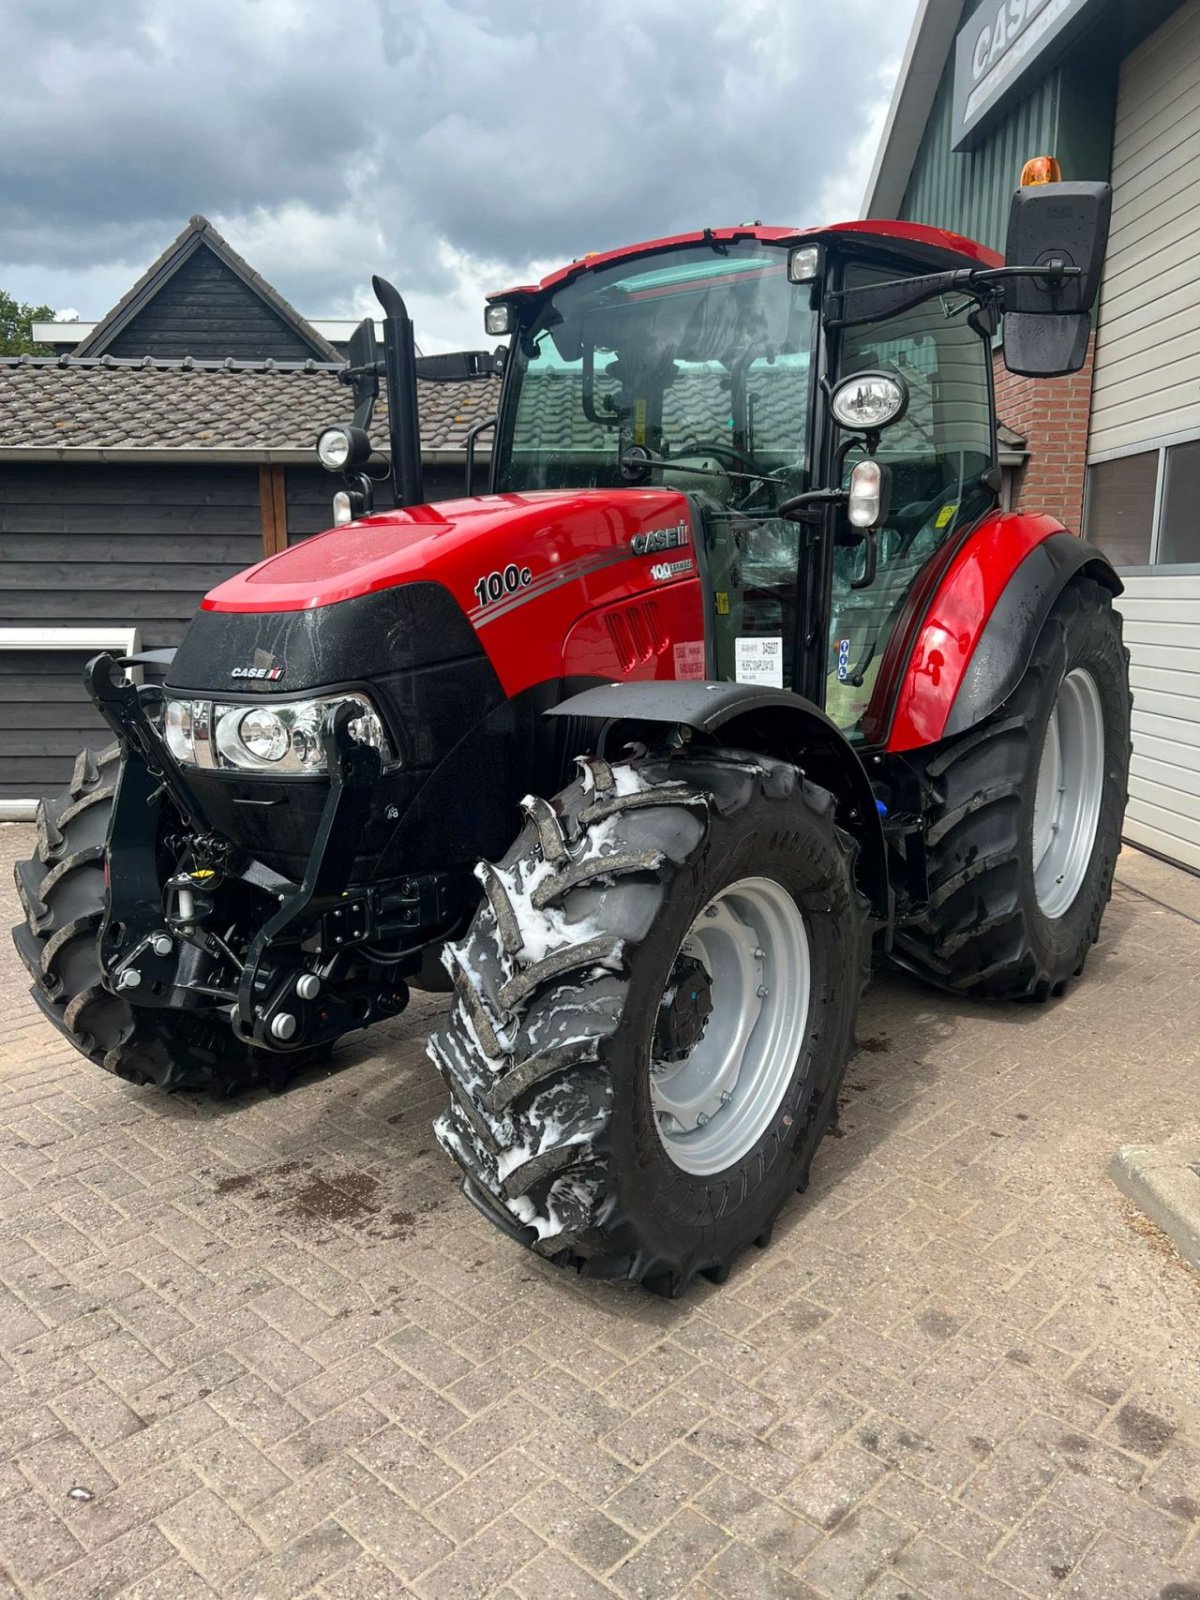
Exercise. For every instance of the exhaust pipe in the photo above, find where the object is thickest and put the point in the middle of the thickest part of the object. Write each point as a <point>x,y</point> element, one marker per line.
<point>400,369</point>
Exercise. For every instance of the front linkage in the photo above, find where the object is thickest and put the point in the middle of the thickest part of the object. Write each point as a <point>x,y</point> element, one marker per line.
<point>193,923</point>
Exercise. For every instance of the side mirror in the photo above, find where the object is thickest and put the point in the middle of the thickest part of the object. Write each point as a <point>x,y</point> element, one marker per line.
<point>1046,316</point>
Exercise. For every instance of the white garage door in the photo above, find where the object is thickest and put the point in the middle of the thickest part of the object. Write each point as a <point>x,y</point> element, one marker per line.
<point>1162,630</point>
<point>1144,446</point>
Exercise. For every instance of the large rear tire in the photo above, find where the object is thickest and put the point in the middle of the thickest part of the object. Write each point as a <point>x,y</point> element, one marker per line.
<point>62,893</point>
<point>1026,817</point>
<point>654,1010</point>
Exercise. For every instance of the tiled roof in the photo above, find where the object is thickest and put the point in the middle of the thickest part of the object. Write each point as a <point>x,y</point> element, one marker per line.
<point>66,403</point>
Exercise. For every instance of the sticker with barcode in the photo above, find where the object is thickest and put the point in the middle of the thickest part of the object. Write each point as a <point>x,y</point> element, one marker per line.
<point>759,661</point>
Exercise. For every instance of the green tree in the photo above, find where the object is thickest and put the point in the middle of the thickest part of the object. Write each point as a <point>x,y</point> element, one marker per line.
<point>16,327</point>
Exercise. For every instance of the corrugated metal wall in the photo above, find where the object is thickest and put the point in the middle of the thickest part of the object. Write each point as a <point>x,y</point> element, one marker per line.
<point>971,192</point>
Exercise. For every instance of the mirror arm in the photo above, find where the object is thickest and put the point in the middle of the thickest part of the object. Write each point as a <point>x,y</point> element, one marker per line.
<point>878,301</point>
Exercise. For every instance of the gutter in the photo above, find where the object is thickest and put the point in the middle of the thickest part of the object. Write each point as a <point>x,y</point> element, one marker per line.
<point>286,456</point>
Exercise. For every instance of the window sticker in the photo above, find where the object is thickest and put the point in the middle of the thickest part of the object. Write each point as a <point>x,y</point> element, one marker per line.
<point>946,515</point>
<point>689,658</point>
<point>760,661</point>
<point>843,664</point>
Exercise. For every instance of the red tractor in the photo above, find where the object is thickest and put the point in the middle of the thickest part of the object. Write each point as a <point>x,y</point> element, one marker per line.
<point>737,678</point>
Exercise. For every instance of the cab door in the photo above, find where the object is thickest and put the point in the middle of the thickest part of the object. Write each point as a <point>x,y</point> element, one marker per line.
<point>938,453</point>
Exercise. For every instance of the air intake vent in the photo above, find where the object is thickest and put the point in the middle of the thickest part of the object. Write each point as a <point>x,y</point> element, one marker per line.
<point>637,634</point>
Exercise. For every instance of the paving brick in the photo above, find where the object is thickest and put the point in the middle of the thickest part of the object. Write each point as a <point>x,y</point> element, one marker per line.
<point>475,1501</point>
<point>653,1495</point>
<point>562,1518</point>
<point>314,1557</point>
<point>210,1536</point>
<point>114,1566</point>
<point>671,1558</point>
<point>411,1467</point>
<point>742,1572</point>
<point>861,1547</point>
<point>1115,1570</point>
<point>483,1563</point>
<point>393,1532</point>
<point>753,1519</point>
<point>553,1573</point>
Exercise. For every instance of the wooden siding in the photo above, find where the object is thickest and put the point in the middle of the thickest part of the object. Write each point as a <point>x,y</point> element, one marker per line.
<point>109,547</point>
<point>310,492</point>
<point>205,310</point>
<point>1147,379</point>
<point>1161,613</point>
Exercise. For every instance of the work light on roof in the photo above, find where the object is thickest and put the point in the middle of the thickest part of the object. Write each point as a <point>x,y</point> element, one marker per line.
<point>869,401</point>
<point>804,263</point>
<point>498,318</point>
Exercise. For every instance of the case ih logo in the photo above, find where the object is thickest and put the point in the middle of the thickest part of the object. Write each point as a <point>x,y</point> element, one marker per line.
<point>656,539</point>
<point>268,674</point>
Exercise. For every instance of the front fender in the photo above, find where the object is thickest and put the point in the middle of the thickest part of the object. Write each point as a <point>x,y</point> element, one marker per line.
<point>771,721</point>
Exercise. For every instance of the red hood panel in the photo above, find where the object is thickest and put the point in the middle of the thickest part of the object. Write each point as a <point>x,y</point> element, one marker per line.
<point>524,567</point>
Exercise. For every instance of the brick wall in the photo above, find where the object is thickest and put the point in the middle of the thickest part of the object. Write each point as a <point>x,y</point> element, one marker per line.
<point>1052,415</point>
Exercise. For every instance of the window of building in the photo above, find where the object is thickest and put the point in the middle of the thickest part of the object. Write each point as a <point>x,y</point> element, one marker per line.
<point>1120,508</point>
<point>1141,509</point>
<point>1179,524</point>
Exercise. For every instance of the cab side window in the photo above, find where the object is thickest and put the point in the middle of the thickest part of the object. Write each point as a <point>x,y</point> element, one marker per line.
<point>938,453</point>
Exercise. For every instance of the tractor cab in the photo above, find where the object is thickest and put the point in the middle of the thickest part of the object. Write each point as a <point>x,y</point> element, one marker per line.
<point>703,368</point>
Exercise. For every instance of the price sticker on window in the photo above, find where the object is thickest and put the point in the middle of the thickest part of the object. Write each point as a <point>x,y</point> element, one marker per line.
<point>759,661</point>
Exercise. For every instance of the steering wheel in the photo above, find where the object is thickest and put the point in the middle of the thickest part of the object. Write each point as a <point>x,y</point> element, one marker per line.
<point>718,447</point>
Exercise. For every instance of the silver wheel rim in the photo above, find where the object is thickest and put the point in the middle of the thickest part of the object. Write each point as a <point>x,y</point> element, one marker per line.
<point>712,1107</point>
<point>1070,787</point>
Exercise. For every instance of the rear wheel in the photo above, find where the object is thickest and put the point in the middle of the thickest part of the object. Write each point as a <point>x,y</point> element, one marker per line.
<point>1026,817</point>
<point>62,893</point>
<point>654,1010</point>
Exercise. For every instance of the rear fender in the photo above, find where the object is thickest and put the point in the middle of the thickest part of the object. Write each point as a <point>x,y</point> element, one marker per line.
<point>980,627</point>
<point>769,721</point>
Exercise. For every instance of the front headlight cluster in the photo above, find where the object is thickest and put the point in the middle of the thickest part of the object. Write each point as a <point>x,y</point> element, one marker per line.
<point>280,737</point>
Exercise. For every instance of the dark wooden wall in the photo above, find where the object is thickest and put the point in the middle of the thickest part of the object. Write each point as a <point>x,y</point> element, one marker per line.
<point>310,492</point>
<point>206,311</point>
<point>103,546</point>
<point>121,546</point>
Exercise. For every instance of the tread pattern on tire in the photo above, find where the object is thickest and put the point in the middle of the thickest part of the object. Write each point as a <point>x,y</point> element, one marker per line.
<point>61,889</point>
<point>523,1049</point>
<point>974,935</point>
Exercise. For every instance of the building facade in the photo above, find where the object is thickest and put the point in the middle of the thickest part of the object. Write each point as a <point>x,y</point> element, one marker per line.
<point>1112,89</point>
<point>158,452</point>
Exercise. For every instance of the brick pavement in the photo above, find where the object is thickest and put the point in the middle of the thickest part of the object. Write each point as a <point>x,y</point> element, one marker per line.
<point>275,1353</point>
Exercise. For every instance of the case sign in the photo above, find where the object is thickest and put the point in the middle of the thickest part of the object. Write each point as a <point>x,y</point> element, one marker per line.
<point>1004,44</point>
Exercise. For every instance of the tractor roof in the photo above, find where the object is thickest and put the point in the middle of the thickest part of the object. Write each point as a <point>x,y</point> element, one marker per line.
<point>930,248</point>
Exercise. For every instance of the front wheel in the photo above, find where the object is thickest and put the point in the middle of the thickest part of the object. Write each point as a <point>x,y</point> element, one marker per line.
<point>654,1010</point>
<point>1024,817</point>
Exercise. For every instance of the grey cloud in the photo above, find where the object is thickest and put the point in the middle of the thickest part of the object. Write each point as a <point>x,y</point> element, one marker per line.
<point>512,131</point>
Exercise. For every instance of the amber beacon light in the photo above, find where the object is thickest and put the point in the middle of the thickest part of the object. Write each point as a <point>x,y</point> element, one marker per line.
<point>1040,169</point>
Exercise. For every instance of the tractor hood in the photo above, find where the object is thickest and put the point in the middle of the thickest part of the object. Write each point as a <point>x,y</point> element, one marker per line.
<point>511,573</point>
<point>459,543</point>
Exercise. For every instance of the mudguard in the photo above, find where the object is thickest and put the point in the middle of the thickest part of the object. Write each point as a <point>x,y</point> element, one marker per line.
<point>980,627</point>
<point>772,721</point>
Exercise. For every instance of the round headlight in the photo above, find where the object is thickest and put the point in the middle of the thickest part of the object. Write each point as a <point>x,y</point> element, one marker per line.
<point>869,401</point>
<point>264,735</point>
<point>333,449</point>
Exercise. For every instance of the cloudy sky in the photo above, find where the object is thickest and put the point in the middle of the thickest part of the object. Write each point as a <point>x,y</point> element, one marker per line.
<point>455,145</point>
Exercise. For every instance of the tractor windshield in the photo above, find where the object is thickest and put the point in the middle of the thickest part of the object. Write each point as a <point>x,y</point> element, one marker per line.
<point>699,355</point>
